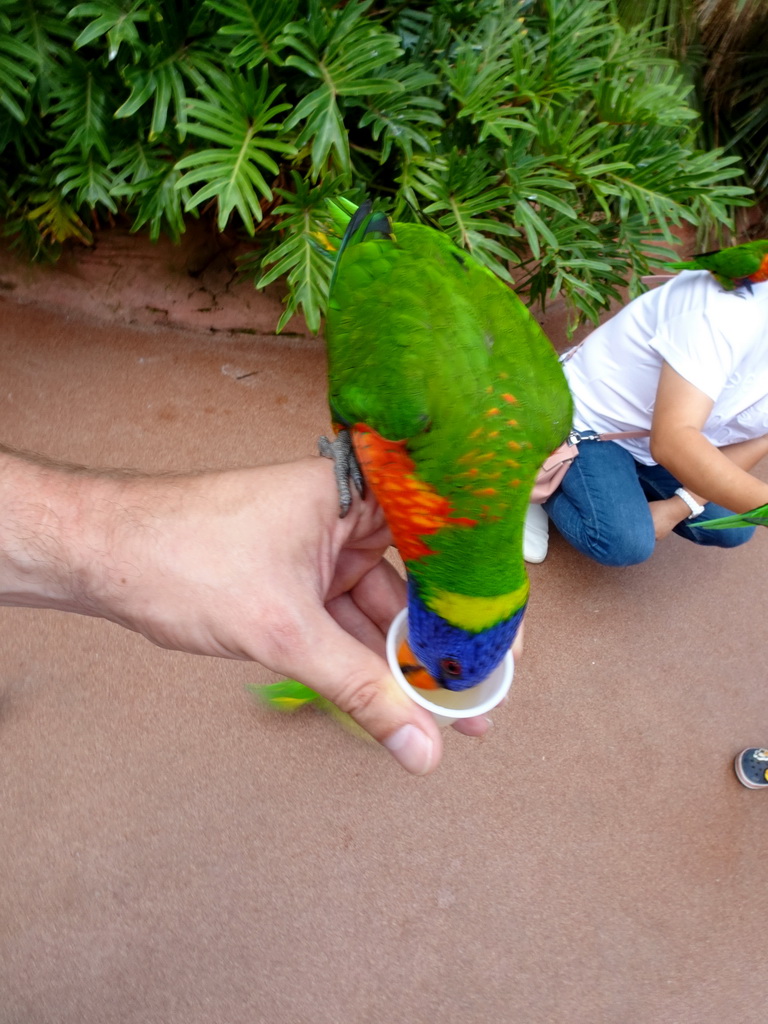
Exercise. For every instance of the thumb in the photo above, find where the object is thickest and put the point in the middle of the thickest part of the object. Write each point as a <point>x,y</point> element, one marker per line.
<point>359,682</point>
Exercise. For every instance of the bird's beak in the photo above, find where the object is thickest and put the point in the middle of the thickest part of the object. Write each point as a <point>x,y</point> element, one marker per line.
<point>413,670</point>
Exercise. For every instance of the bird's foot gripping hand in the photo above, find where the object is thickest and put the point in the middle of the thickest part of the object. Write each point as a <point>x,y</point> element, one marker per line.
<point>345,468</point>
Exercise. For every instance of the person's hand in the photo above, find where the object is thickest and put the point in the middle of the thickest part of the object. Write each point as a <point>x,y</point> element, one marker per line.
<point>255,564</point>
<point>667,513</point>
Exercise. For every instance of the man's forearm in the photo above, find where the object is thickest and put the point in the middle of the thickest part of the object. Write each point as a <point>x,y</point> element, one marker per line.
<point>40,516</point>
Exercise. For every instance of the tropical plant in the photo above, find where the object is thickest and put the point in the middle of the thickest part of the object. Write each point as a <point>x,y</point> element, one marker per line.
<point>722,49</point>
<point>556,141</point>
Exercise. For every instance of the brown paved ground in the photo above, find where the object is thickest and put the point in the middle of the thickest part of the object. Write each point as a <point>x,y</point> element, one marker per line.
<point>169,854</point>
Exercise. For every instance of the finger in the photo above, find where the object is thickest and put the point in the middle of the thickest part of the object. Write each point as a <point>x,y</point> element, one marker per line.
<point>369,527</point>
<point>351,618</point>
<point>351,566</point>
<point>472,726</point>
<point>381,594</point>
<point>358,681</point>
<point>519,642</point>
<point>480,726</point>
<point>354,620</point>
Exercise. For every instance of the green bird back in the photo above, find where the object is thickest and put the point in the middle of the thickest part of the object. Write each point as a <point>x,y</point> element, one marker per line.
<point>427,346</point>
<point>733,267</point>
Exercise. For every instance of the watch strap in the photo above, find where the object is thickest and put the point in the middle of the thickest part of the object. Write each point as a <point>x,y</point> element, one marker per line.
<point>690,501</point>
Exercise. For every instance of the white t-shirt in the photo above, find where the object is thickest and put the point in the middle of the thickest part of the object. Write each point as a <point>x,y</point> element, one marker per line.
<point>717,340</point>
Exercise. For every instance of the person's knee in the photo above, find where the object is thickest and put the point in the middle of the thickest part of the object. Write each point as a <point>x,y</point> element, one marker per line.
<point>625,557</point>
<point>628,548</point>
<point>731,538</point>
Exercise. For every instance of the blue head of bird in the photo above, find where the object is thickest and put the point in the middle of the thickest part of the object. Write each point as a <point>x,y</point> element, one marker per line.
<point>454,658</point>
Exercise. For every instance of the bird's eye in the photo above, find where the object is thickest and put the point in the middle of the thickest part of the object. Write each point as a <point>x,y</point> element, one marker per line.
<point>450,668</point>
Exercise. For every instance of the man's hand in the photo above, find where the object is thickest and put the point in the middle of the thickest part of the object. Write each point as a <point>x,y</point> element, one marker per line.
<point>252,564</point>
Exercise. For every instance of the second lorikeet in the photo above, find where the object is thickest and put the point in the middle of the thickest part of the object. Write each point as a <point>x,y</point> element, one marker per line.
<point>450,396</point>
<point>736,267</point>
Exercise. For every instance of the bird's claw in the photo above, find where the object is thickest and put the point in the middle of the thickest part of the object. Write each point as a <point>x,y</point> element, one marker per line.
<point>345,468</point>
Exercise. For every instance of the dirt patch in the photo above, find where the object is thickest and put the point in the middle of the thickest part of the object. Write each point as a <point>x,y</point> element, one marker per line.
<point>128,279</point>
<point>195,285</point>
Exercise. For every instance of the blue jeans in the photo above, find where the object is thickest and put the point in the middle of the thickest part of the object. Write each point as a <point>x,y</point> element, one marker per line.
<point>601,507</point>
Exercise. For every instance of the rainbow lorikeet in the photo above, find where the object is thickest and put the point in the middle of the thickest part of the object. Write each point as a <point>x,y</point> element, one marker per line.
<point>737,267</point>
<point>446,397</point>
<point>756,517</point>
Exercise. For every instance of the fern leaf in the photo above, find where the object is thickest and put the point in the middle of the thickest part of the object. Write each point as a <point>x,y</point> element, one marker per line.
<point>57,221</point>
<point>82,112</point>
<point>112,20</point>
<point>462,190</point>
<point>145,177</point>
<point>18,65</point>
<point>407,117</point>
<point>301,256</point>
<point>86,177</point>
<point>237,115</point>
<point>340,49</point>
<point>255,27</point>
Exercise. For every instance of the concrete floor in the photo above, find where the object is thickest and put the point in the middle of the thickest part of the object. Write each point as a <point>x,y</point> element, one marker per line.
<point>172,854</point>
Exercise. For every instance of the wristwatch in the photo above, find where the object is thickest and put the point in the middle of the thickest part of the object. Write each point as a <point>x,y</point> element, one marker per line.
<point>690,501</point>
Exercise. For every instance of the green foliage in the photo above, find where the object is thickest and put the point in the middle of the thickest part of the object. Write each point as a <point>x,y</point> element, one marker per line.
<point>255,28</point>
<point>337,50</point>
<point>304,257</point>
<point>721,45</point>
<point>557,141</point>
<point>735,85</point>
<point>235,114</point>
<point>17,72</point>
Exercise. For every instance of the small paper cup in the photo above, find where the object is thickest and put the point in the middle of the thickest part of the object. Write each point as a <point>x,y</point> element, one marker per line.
<point>449,705</point>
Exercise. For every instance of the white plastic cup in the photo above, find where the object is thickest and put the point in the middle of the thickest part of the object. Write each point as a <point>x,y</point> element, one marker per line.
<point>449,705</point>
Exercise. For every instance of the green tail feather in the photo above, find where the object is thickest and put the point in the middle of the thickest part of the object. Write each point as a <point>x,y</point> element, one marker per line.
<point>681,265</point>
<point>756,517</point>
<point>287,695</point>
<point>342,211</point>
<point>728,283</point>
<point>290,695</point>
<point>364,221</point>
